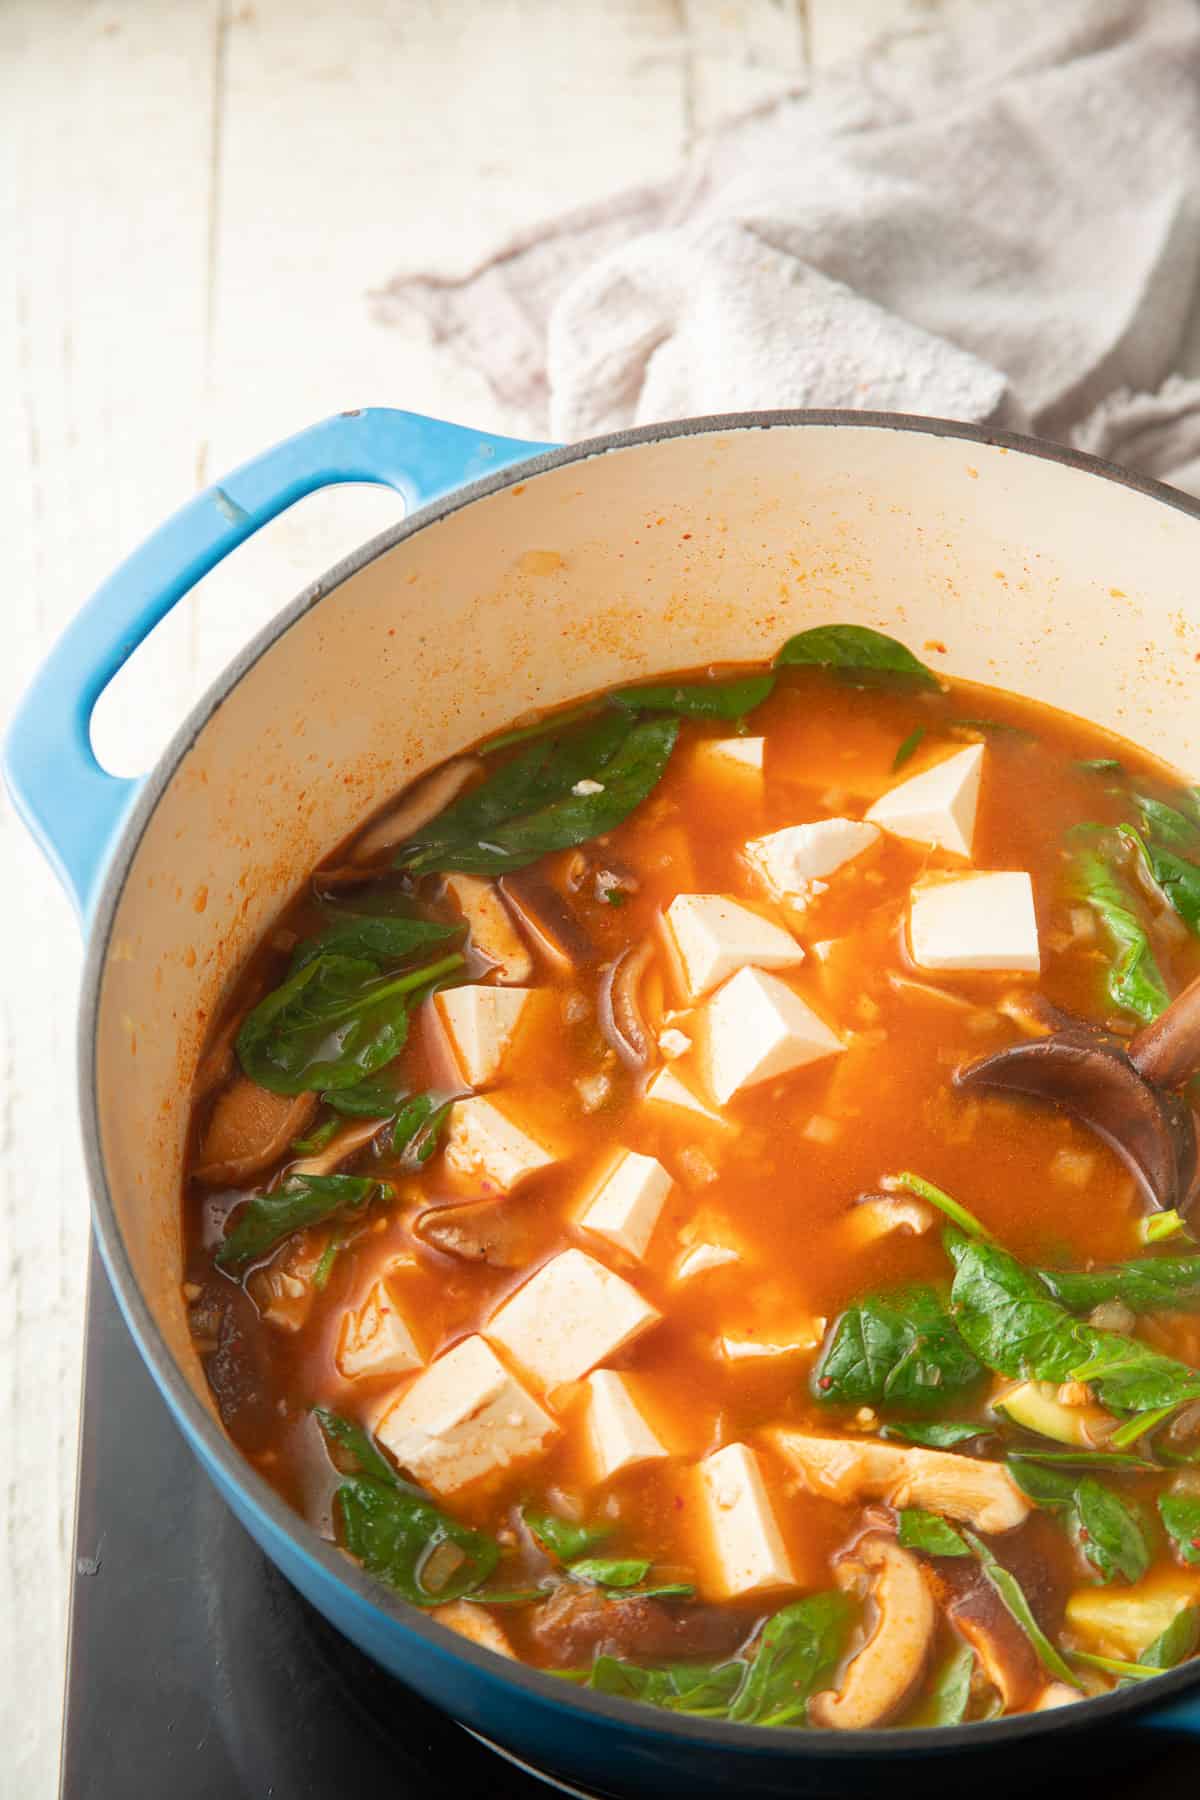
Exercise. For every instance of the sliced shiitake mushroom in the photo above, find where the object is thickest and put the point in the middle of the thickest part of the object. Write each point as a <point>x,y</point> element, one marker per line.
<point>345,1142</point>
<point>982,1494</point>
<point>249,1129</point>
<point>499,1232</point>
<point>493,934</point>
<point>879,1678</point>
<point>620,1014</point>
<point>415,807</point>
<point>552,926</point>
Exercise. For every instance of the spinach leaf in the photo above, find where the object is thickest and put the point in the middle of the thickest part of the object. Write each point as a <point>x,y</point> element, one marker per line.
<point>524,734</point>
<point>856,648</point>
<point>629,1681</point>
<point>419,1126</point>
<point>1134,980</point>
<point>666,1590</point>
<point>301,1201</point>
<point>797,1653</point>
<point>1047,1485</point>
<point>697,699</point>
<point>352,1438</point>
<point>705,1690</point>
<point>1179,1641</point>
<point>900,1348</point>
<point>316,1140</point>
<point>562,1538</point>
<point>1014,1326</point>
<point>1147,1284</point>
<point>324,1268</point>
<point>1012,1594</point>
<point>937,1434</point>
<point>1177,879</point>
<point>394,1530</point>
<point>1156,1227</point>
<point>373,1098</point>
<point>1085,1459</point>
<point>530,806</point>
<point>380,938</point>
<point>1011,1322</point>
<point>1111,1665</point>
<point>1109,1532</point>
<point>908,748</point>
<point>1167,824</point>
<point>949,1693</point>
<point>920,1530</point>
<point>1180,1514</point>
<point>939,1198</point>
<point>1101,765</point>
<point>609,1571</point>
<point>331,1023</point>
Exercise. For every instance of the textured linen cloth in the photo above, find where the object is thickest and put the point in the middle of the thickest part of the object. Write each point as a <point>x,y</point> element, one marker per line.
<point>995,218</point>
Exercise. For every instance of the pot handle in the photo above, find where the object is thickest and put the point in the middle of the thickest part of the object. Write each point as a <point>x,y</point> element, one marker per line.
<point>73,807</point>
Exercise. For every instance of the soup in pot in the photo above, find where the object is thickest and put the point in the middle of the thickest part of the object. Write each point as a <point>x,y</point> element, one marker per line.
<point>586,1231</point>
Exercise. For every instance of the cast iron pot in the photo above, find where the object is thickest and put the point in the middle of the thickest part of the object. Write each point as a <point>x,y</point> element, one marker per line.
<point>525,575</point>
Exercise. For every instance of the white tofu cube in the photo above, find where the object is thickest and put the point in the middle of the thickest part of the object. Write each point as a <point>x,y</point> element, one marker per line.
<point>673,1043</point>
<point>978,921</point>
<point>375,1338</point>
<point>792,863</point>
<point>464,1418</point>
<point>758,1028</point>
<point>733,755</point>
<point>666,1089</point>
<point>625,1207</point>
<point>620,1436</point>
<point>482,1141</point>
<point>703,1257</point>
<point>713,935</point>
<point>480,1023</point>
<point>568,1317</point>
<point>938,806</point>
<point>751,1556</point>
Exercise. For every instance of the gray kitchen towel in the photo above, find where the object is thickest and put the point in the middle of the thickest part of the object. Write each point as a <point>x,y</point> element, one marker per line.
<point>996,217</point>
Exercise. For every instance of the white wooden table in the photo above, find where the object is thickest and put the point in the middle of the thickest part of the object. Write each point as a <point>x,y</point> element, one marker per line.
<point>199,197</point>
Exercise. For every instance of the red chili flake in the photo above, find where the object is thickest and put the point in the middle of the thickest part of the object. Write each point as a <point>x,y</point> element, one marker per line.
<point>679,1503</point>
<point>826,1381</point>
<point>1085,1536</point>
<point>1196,1543</point>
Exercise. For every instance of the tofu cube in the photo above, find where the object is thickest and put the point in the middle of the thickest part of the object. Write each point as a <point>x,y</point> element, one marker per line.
<point>713,936</point>
<point>703,1257</point>
<point>792,863</point>
<point>750,1554</point>
<point>937,806</point>
<point>738,759</point>
<point>464,1418</point>
<point>484,1142</point>
<point>757,1029</point>
<point>620,1435</point>
<point>480,1024</point>
<point>568,1317</point>
<point>625,1207</point>
<point>666,1089</point>
<point>375,1338</point>
<point>978,921</point>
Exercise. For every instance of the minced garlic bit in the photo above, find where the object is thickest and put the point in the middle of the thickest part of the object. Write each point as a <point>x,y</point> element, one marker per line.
<point>588,786</point>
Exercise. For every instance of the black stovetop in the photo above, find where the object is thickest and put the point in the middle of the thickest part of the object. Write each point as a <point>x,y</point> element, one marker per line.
<point>196,1672</point>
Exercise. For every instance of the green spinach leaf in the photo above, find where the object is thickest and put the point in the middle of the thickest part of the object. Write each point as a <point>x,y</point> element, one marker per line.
<point>900,1349</point>
<point>1180,1514</point>
<point>356,1442</point>
<point>908,748</point>
<point>1176,878</point>
<point>1101,765</point>
<point>1146,1284</point>
<point>531,806</point>
<point>1179,1641</point>
<point>1109,1532</point>
<point>935,1434</point>
<point>1134,980</point>
<point>563,1538</point>
<point>1167,824</point>
<point>920,1530</point>
<point>798,1651</point>
<point>301,1201</point>
<point>395,1530</point>
<point>609,1571</point>
<point>697,699</point>
<point>856,648</point>
<point>379,938</point>
<point>949,1693</point>
<point>333,1022</point>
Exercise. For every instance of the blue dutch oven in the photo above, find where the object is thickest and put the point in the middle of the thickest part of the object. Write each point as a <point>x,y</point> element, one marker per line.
<point>522,575</point>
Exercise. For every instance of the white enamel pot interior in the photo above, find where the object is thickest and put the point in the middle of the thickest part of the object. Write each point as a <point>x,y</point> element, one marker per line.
<point>998,560</point>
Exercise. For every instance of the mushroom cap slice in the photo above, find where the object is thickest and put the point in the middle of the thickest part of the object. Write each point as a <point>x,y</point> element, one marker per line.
<point>881,1676</point>
<point>414,808</point>
<point>981,1494</point>
<point>353,1136</point>
<point>249,1129</point>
